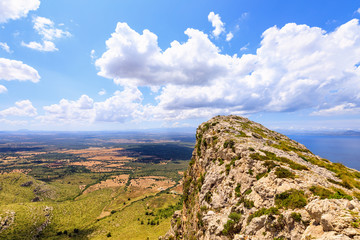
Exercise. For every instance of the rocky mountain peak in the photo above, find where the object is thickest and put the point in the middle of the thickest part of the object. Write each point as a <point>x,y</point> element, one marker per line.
<point>245,181</point>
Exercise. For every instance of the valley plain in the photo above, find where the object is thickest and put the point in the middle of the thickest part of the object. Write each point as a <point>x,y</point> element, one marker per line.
<point>90,185</point>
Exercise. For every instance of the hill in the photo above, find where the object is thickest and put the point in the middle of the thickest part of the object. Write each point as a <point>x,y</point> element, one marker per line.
<point>245,181</point>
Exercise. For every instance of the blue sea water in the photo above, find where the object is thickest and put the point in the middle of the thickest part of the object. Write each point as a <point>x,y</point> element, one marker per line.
<point>342,149</point>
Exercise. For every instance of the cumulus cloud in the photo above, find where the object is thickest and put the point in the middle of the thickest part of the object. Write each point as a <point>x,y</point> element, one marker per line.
<point>134,59</point>
<point>122,106</point>
<point>14,9</point>
<point>296,67</point>
<point>79,110</point>
<point>47,30</point>
<point>229,36</point>
<point>5,47</point>
<point>22,108</point>
<point>3,89</point>
<point>17,70</point>
<point>216,22</point>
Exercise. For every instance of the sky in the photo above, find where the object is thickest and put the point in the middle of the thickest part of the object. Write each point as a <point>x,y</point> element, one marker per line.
<point>137,64</point>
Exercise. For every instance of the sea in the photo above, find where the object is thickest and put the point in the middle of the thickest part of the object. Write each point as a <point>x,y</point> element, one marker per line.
<point>341,149</point>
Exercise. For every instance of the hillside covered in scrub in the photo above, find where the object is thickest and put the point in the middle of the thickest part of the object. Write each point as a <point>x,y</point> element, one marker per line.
<point>247,182</point>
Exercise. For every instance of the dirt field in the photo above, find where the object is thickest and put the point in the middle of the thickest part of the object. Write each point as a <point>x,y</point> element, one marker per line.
<point>116,181</point>
<point>155,184</point>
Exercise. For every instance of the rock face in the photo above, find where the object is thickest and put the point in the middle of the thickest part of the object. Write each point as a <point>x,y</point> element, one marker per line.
<point>247,182</point>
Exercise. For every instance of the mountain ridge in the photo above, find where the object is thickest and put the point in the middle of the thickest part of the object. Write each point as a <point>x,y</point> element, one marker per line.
<point>245,181</point>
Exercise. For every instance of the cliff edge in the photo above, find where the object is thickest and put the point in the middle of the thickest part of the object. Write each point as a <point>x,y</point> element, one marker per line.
<point>245,181</point>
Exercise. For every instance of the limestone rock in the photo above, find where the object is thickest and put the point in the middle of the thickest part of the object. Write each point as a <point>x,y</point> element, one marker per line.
<point>245,181</point>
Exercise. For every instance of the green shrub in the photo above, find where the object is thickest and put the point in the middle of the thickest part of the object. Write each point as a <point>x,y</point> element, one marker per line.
<point>247,203</point>
<point>241,134</point>
<point>269,165</point>
<point>235,216</point>
<point>263,211</point>
<point>284,173</point>
<point>206,127</point>
<point>321,192</point>
<point>326,193</point>
<point>260,175</point>
<point>227,168</point>
<point>291,199</point>
<point>296,216</point>
<point>237,190</point>
<point>228,228</point>
<point>248,191</point>
<point>208,197</point>
<point>340,194</point>
<point>203,208</point>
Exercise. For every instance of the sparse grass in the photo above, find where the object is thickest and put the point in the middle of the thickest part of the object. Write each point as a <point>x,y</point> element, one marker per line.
<point>286,146</point>
<point>272,156</point>
<point>291,199</point>
<point>241,134</point>
<point>349,178</point>
<point>323,193</point>
<point>284,173</point>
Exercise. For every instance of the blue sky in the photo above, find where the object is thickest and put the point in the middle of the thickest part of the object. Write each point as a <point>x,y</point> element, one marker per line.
<point>118,65</point>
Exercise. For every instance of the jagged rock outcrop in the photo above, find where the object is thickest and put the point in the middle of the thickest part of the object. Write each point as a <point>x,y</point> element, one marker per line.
<point>245,181</point>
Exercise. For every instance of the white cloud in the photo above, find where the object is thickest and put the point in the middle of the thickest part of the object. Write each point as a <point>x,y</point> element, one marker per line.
<point>296,67</point>
<point>22,108</point>
<point>3,89</point>
<point>245,47</point>
<point>102,92</point>
<point>17,70</point>
<point>229,36</point>
<point>92,54</point>
<point>45,46</point>
<point>14,9</point>
<point>122,106</point>
<point>134,59</point>
<point>65,111</point>
<point>216,22</point>
<point>358,11</point>
<point>46,29</point>
<point>5,47</point>
<point>342,109</point>
<point>244,15</point>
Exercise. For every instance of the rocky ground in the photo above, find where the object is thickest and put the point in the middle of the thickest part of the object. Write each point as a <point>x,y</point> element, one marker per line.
<point>247,182</point>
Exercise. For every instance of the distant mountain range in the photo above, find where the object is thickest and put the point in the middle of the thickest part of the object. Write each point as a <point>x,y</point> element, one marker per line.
<point>321,133</point>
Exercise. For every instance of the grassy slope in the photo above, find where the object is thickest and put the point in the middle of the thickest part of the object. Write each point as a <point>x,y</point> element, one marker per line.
<point>67,214</point>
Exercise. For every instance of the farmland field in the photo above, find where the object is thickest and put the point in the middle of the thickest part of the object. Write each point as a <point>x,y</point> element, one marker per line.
<point>90,185</point>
